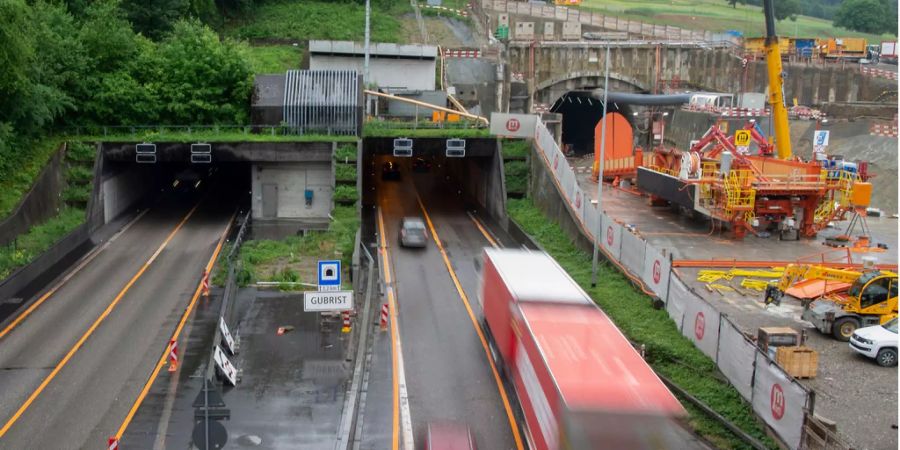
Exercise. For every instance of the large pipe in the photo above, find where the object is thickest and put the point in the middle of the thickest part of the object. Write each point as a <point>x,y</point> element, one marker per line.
<point>629,98</point>
<point>427,105</point>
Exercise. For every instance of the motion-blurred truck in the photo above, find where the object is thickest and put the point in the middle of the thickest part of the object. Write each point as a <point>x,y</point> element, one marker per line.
<point>580,382</point>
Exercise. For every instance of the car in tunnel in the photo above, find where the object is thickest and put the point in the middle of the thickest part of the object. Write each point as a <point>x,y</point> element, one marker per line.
<point>421,165</point>
<point>412,232</point>
<point>390,171</point>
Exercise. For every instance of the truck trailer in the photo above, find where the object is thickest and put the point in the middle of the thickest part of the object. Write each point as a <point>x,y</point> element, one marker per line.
<point>579,381</point>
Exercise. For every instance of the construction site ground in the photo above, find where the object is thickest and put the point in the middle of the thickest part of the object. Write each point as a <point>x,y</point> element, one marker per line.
<point>849,387</point>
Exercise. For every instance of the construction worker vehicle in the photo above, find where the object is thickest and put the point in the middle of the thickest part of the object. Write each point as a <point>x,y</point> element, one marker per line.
<point>871,299</point>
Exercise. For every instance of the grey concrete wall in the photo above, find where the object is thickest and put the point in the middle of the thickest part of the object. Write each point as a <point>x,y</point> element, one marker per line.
<point>384,72</point>
<point>40,203</point>
<point>698,68</point>
<point>19,283</point>
<point>292,180</point>
<point>121,191</point>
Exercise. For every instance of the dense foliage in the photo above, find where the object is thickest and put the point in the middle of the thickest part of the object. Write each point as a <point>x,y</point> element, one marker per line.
<point>868,16</point>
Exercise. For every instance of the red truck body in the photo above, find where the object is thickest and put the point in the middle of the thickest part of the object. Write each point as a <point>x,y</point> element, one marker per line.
<point>580,383</point>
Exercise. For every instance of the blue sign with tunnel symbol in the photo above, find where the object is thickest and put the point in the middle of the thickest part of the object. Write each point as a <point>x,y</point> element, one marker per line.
<point>329,275</point>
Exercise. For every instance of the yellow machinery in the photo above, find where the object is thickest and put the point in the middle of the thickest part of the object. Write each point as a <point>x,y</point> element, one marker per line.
<point>871,300</point>
<point>776,85</point>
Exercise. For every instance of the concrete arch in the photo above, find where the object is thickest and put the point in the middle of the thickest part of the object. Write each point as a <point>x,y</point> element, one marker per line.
<point>548,91</point>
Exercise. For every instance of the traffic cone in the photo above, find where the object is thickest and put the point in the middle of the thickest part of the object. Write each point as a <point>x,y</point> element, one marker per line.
<point>384,316</point>
<point>112,443</point>
<point>346,317</point>
<point>205,283</point>
<point>173,355</point>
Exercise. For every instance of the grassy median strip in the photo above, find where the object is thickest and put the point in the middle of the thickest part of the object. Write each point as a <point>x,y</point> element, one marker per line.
<point>670,354</point>
<point>38,239</point>
<point>294,259</point>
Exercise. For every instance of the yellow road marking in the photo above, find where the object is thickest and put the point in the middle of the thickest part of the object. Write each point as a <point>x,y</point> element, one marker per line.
<point>65,279</point>
<point>184,317</point>
<point>483,231</point>
<point>34,395</point>
<point>465,299</point>
<point>392,307</point>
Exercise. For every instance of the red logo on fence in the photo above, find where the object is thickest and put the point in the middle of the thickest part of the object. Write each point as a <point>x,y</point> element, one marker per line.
<point>609,236</point>
<point>777,399</point>
<point>555,161</point>
<point>657,272</point>
<point>513,125</point>
<point>700,326</point>
<point>578,200</point>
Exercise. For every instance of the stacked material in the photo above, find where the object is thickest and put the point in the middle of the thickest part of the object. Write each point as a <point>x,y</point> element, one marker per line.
<point>756,280</point>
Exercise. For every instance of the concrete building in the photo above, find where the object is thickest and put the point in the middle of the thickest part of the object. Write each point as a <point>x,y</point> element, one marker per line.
<point>391,66</point>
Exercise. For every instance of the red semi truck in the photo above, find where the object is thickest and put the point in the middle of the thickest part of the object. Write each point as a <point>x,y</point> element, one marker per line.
<point>580,383</point>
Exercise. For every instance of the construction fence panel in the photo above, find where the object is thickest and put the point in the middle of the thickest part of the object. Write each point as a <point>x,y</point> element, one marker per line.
<point>548,12</point>
<point>657,269</point>
<point>591,219</point>
<point>563,13</point>
<point>677,301</point>
<point>701,324</point>
<point>736,358</point>
<point>580,205</point>
<point>779,401</point>
<point>611,237</point>
<point>633,248</point>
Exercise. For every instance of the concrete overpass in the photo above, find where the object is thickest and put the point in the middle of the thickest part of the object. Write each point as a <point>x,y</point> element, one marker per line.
<point>544,71</point>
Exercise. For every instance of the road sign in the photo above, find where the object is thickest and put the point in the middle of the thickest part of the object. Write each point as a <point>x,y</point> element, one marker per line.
<point>513,125</point>
<point>225,366</point>
<point>327,301</point>
<point>226,335</point>
<point>330,275</point>
<point>403,148</point>
<point>742,138</point>
<point>218,436</point>
<point>820,138</point>
<point>456,148</point>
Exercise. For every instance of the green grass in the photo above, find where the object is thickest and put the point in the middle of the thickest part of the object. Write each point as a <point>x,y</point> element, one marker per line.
<point>516,176</point>
<point>516,148</point>
<point>79,174</point>
<point>345,153</point>
<point>206,135</point>
<point>273,58</point>
<point>81,152</point>
<point>77,194</point>
<point>38,239</point>
<point>332,20</point>
<point>345,172</point>
<point>28,165</point>
<point>718,16</point>
<point>345,193</point>
<point>294,258</point>
<point>379,128</point>
<point>667,350</point>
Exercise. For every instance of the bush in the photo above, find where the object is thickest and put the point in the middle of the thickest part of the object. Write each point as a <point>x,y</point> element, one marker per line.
<point>516,148</point>
<point>77,194</point>
<point>516,176</point>
<point>345,172</point>
<point>79,175</point>
<point>344,193</point>
<point>80,151</point>
<point>345,153</point>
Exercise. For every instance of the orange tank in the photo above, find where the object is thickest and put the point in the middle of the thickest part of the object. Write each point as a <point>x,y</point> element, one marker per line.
<point>619,152</point>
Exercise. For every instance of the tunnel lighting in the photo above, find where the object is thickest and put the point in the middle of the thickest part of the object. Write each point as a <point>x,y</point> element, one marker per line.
<point>589,102</point>
<point>824,120</point>
<point>175,184</point>
<point>197,184</point>
<point>665,114</point>
<point>579,100</point>
<point>635,114</point>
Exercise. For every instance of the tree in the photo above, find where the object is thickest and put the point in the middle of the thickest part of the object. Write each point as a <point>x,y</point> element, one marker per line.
<point>867,16</point>
<point>16,53</point>
<point>154,18</point>
<point>787,9</point>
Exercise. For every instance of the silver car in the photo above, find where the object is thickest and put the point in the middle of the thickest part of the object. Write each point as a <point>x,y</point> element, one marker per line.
<point>412,232</point>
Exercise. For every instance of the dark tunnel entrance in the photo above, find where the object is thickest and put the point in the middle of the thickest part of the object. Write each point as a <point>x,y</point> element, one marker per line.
<point>581,114</point>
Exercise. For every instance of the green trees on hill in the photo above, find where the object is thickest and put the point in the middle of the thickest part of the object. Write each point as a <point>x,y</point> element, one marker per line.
<point>867,16</point>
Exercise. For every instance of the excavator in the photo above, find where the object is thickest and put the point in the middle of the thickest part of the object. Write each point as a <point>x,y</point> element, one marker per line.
<point>871,299</point>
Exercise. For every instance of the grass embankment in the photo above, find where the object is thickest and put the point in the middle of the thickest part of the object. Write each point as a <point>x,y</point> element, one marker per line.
<point>670,354</point>
<point>308,19</point>
<point>273,58</point>
<point>294,259</point>
<point>79,175</point>
<point>424,129</point>
<point>345,173</point>
<point>515,166</point>
<point>718,16</point>
<point>26,160</point>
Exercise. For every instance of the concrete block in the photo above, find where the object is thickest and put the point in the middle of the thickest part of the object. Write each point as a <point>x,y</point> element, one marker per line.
<point>549,33</point>
<point>524,30</point>
<point>571,31</point>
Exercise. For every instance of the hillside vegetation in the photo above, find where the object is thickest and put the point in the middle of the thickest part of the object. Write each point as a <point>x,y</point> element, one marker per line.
<point>718,16</point>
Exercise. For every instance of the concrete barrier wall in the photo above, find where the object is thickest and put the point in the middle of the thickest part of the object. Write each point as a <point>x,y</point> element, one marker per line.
<point>40,203</point>
<point>781,402</point>
<point>19,283</point>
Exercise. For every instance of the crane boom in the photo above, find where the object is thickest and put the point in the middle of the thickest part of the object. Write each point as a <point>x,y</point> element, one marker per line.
<point>776,85</point>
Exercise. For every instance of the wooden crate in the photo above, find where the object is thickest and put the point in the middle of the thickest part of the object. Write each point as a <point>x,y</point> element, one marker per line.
<point>798,362</point>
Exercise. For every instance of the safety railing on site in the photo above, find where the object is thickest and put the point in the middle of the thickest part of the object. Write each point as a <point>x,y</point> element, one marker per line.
<point>780,401</point>
<point>139,131</point>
